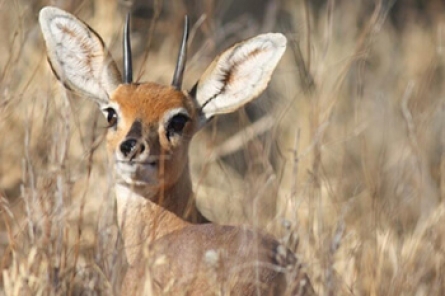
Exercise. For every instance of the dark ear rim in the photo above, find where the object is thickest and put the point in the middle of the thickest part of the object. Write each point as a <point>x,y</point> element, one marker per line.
<point>193,90</point>
<point>66,85</point>
<point>202,119</point>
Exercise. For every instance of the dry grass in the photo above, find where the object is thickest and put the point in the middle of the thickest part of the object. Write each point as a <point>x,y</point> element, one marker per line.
<point>347,144</point>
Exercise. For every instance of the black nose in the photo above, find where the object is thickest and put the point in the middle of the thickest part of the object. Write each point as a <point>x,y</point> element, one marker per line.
<point>131,147</point>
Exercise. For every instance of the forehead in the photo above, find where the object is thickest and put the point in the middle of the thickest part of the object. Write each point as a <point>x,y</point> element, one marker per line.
<point>149,101</point>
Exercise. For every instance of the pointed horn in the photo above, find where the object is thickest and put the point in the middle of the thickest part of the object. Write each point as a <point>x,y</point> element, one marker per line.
<point>182,57</point>
<point>128,67</point>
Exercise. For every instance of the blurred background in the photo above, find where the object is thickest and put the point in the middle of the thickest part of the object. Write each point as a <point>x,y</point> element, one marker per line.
<point>344,152</point>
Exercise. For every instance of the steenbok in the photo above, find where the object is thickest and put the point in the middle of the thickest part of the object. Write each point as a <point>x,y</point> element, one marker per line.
<point>150,128</point>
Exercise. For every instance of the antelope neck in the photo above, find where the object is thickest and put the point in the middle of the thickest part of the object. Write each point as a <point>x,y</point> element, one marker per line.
<point>176,198</point>
<point>144,216</point>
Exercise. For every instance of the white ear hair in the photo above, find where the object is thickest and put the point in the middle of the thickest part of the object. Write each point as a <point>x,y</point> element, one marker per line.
<point>77,55</point>
<point>239,74</point>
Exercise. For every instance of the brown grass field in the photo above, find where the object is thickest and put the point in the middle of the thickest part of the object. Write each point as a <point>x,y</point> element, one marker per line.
<point>342,158</point>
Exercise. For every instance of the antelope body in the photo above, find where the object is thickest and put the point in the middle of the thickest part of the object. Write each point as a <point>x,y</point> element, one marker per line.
<point>150,128</point>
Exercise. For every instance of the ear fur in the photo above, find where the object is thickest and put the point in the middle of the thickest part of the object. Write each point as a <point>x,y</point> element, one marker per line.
<point>239,74</point>
<point>77,55</point>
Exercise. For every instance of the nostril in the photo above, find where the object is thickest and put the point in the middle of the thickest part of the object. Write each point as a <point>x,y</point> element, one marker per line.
<point>127,146</point>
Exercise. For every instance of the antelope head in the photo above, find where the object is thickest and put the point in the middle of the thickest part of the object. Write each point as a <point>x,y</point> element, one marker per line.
<point>151,125</point>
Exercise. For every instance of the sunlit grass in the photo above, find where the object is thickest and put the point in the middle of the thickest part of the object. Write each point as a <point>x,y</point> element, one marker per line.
<point>345,155</point>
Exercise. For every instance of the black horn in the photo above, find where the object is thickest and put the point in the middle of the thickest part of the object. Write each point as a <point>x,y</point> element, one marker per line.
<point>128,67</point>
<point>182,57</point>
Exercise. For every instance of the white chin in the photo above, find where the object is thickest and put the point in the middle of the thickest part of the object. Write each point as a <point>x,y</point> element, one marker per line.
<point>136,175</point>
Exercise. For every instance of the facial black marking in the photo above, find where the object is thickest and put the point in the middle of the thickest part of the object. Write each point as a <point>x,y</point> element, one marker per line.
<point>135,130</point>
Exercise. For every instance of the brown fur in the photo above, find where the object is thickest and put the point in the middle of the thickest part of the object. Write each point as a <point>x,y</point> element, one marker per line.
<point>148,102</point>
<point>213,259</point>
<point>208,265</point>
<point>247,262</point>
<point>155,202</point>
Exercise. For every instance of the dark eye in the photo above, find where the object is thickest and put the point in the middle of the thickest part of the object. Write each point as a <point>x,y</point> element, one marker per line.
<point>176,124</point>
<point>111,116</point>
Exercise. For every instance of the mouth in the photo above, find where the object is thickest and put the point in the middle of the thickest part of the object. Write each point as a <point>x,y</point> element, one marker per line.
<point>139,172</point>
<point>132,162</point>
<point>150,161</point>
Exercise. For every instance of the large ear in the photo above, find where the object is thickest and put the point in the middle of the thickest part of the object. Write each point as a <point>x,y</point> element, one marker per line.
<point>78,56</point>
<point>239,74</point>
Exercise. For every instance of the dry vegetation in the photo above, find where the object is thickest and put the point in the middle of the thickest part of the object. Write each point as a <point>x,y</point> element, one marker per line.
<point>345,150</point>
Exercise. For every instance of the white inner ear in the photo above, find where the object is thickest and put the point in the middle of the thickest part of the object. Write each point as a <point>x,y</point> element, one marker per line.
<point>77,55</point>
<point>240,74</point>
